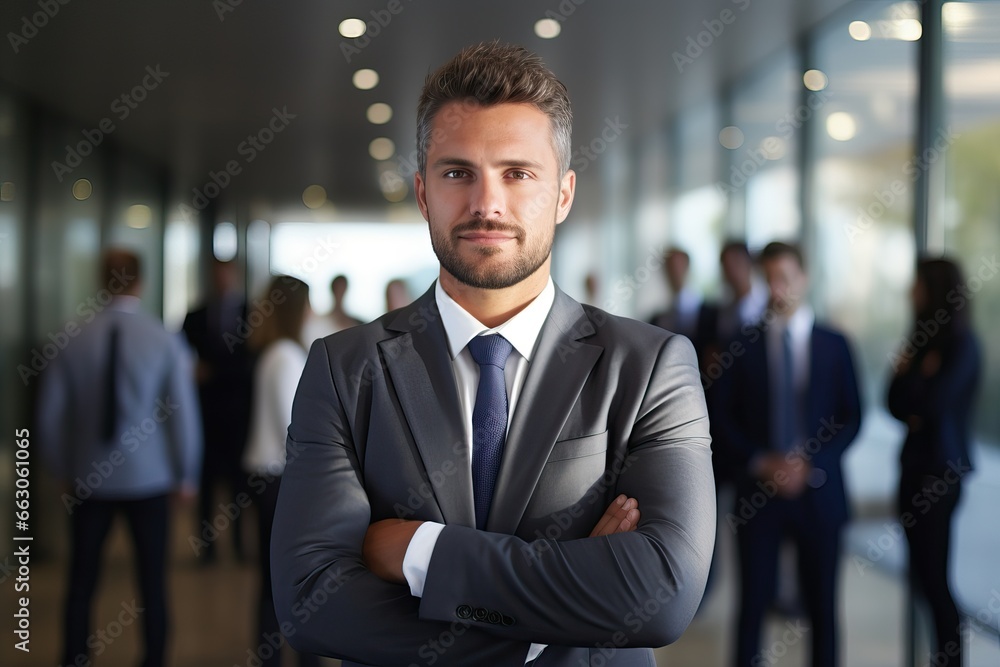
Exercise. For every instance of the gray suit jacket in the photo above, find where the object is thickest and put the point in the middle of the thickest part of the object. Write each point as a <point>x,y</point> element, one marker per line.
<point>609,406</point>
<point>157,443</point>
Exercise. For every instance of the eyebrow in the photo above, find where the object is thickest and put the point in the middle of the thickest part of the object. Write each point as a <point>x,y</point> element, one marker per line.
<point>462,162</point>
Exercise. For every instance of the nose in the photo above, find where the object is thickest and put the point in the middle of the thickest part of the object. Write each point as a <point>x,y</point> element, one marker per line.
<point>487,199</point>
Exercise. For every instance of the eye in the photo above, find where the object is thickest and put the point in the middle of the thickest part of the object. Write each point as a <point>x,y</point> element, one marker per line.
<point>455,173</point>
<point>519,175</point>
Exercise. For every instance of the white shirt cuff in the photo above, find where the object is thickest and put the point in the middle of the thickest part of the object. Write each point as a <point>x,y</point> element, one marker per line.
<point>417,559</point>
<point>534,651</point>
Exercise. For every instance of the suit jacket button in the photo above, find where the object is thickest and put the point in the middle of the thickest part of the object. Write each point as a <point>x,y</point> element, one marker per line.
<point>480,614</point>
<point>507,620</point>
<point>494,617</point>
<point>464,611</point>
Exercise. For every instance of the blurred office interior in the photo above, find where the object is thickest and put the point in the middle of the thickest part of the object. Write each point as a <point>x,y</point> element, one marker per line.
<point>867,130</point>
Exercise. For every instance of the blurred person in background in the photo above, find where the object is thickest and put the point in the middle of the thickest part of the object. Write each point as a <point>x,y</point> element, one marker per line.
<point>224,374</point>
<point>397,295</point>
<point>688,314</point>
<point>118,423</point>
<point>747,298</point>
<point>788,408</point>
<point>338,319</point>
<point>933,390</point>
<point>281,358</point>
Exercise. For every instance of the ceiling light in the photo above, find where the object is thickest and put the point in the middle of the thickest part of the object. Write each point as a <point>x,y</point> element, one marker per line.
<point>381,148</point>
<point>840,126</point>
<point>365,79</point>
<point>860,31</point>
<point>352,28</point>
<point>379,113</point>
<point>547,28</point>
<point>138,216</point>
<point>82,189</point>
<point>815,80</point>
<point>731,137</point>
<point>314,196</point>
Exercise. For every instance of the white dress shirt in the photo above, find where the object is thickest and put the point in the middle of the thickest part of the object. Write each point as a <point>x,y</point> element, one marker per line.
<point>799,326</point>
<point>460,327</point>
<point>275,378</point>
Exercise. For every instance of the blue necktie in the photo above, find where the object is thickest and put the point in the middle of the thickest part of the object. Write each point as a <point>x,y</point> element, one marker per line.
<point>489,419</point>
<point>788,406</point>
<point>111,390</point>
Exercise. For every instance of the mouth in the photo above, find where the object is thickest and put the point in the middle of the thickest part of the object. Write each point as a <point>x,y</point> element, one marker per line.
<point>487,238</point>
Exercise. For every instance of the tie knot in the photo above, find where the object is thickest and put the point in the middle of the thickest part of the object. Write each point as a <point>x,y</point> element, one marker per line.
<point>490,350</point>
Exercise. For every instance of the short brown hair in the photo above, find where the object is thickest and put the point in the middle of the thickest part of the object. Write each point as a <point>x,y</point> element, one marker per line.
<point>776,249</point>
<point>489,74</point>
<point>121,266</point>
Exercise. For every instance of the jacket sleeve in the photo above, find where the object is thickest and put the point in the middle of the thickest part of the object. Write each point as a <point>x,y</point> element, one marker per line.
<point>327,601</point>
<point>841,427</point>
<point>639,589</point>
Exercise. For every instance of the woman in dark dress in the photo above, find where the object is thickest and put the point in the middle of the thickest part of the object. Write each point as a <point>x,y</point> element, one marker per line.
<point>932,391</point>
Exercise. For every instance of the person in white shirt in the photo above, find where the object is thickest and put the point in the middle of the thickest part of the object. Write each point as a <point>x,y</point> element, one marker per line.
<point>285,308</point>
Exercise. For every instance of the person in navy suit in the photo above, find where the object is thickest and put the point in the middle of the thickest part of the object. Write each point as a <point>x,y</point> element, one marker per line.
<point>789,407</point>
<point>933,389</point>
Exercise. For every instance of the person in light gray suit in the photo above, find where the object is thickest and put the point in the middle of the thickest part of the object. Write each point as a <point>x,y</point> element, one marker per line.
<point>494,474</point>
<point>119,425</point>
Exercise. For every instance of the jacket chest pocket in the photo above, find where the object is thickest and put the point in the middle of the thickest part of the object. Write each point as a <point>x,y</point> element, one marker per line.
<point>571,493</point>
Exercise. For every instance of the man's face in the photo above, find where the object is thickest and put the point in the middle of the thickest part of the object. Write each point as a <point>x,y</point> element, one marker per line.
<point>677,271</point>
<point>787,282</point>
<point>492,193</point>
<point>736,271</point>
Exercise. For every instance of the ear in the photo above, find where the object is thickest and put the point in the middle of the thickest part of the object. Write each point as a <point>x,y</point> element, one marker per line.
<point>567,190</point>
<point>420,191</point>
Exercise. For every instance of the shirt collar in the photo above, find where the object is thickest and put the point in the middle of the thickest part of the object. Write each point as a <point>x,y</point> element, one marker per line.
<point>801,322</point>
<point>125,303</point>
<point>521,330</point>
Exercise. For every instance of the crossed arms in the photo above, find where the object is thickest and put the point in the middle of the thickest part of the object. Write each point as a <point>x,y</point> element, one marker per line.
<point>336,597</point>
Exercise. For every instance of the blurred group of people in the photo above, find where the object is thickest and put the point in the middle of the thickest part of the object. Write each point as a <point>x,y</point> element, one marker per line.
<point>127,420</point>
<point>784,405</point>
<point>130,418</point>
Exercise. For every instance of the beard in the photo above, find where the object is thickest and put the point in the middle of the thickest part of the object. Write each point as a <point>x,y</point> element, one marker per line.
<point>484,270</point>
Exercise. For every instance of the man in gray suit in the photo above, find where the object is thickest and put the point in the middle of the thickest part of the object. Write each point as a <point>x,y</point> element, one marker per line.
<point>465,475</point>
<point>119,425</point>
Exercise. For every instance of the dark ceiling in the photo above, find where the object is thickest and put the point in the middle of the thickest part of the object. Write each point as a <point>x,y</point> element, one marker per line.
<point>232,62</point>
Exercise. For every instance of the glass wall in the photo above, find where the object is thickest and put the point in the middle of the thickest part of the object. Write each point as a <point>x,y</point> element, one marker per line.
<point>762,178</point>
<point>970,145</point>
<point>861,243</point>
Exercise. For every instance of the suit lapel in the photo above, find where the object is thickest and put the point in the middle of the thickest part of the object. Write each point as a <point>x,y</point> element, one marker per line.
<point>420,366</point>
<point>559,368</point>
